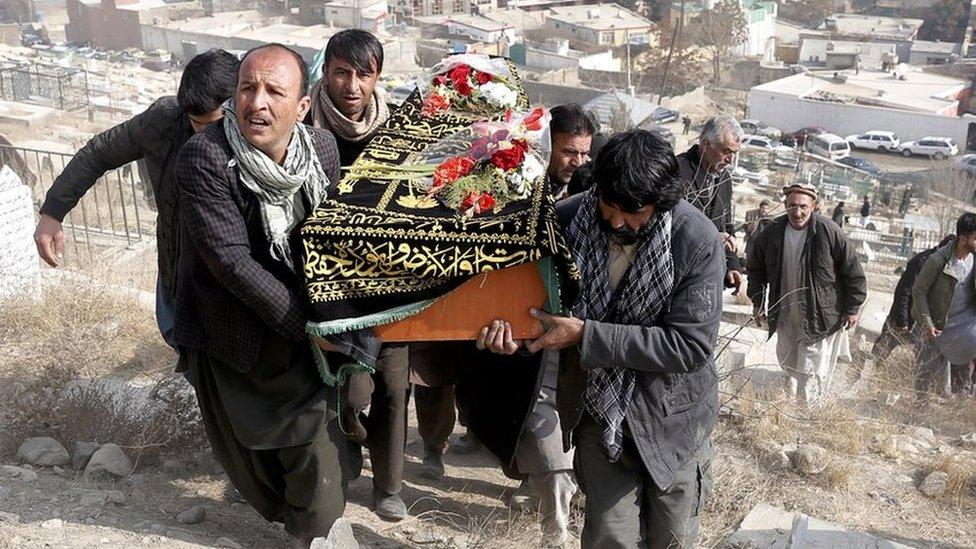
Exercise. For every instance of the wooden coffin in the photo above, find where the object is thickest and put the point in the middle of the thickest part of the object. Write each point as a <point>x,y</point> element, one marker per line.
<point>506,294</point>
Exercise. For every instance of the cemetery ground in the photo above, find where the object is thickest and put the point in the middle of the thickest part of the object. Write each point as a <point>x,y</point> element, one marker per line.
<point>86,364</point>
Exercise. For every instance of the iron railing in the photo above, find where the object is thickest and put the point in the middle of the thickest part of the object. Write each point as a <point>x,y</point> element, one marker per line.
<point>113,212</point>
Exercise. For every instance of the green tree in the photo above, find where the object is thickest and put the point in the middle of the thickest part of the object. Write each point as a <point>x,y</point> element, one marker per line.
<point>721,30</point>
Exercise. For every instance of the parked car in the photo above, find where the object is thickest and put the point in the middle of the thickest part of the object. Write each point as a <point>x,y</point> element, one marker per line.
<point>761,142</point>
<point>862,164</point>
<point>799,137</point>
<point>966,163</point>
<point>828,145</point>
<point>757,127</point>
<point>875,141</point>
<point>664,115</point>
<point>933,147</point>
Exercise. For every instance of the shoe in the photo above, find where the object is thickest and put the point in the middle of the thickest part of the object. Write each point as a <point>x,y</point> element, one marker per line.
<point>388,506</point>
<point>355,460</point>
<point>352,426</point>
<point>433,467</point>
<point>466,444</point>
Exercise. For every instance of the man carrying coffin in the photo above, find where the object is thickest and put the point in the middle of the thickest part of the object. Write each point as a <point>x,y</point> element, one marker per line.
<point>245,185</point>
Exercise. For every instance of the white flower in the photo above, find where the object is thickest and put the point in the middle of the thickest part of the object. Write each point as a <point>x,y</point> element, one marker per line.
<point>531,168</point>
<point>499,94</point>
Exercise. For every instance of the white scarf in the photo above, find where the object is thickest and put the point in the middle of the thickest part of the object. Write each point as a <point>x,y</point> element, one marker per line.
<point>326,115</point>
<point>276,185</point>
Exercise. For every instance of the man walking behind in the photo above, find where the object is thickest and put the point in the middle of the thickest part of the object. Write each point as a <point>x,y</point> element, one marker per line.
<point>245,186</point>
<point>637,387</point>
<point>944,309</point>
<point>816,288</point>
<point>155,136</point>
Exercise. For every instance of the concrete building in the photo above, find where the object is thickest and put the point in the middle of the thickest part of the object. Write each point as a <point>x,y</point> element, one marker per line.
<point>871,28</point>
<point>600,24</point>
<point>115,24</point>
<point>839,54</point>
<point>556,54</point>
<point>911,103</point>
<point>925,52</point>
<point>543,5</point>
<point>479,28</point>
<point>522,20</point>
<point>760,15</point>
<point>371,15</point>
<point>243,30</point>
<point>428,8</point>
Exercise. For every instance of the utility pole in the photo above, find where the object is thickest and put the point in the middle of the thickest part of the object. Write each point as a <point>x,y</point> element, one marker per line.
<point>674,38</point>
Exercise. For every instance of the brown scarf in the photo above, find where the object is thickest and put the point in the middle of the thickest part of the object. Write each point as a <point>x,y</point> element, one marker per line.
<point>326,115</point>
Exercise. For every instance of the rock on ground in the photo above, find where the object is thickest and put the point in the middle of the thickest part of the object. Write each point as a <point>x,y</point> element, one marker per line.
<point>109,459</point>
<point>193,515</point>
<point>340,537</point>
<point>935,484</point>
<point>19,473</point>
<point>810,459</point>
<point>43,452</point>
<point>82,453</point>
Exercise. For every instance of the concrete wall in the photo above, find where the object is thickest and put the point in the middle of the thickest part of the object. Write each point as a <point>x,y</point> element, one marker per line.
<point>760,33</point>
<point>172,40</point>
<point>549,60</point>
<point>790,113</point>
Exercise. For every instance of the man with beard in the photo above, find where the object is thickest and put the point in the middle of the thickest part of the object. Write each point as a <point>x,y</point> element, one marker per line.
<point>638,390</point>
<point>705,174</point>
<point>571,130</point>
<point>154,136</point>
<point>346,100</point>
<point>816,288</point>
<point>245,186</point>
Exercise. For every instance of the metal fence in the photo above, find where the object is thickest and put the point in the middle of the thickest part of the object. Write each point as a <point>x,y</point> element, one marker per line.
<point>113,212</point>
<point>44,84</point>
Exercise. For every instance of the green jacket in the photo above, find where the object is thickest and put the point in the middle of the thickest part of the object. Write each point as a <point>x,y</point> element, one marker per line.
<point>934,289</point>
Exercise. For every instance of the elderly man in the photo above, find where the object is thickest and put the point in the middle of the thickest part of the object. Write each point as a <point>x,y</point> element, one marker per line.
<point>704,171</point>
<point>346,100</point>
<point>816,288</point>
<point>245,185</point>
<point>944,309</point>
<point>154,136</point>
<point>645,324</point>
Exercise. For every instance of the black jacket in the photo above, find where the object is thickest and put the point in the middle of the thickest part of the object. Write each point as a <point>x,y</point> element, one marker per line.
<point>675,404</point>
<point>154,136</point>
<point>900,314</point>
<point>711,194</point>
<point>833,281</point>
<point>230,290</point>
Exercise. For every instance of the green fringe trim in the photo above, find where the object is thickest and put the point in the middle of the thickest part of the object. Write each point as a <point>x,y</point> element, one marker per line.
<point>322,329</point>
<point>551,279</point>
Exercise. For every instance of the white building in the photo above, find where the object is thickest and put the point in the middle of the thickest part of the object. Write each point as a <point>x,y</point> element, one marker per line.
<point>913,103</point>
<point>761,26</point>
<point>371,15</point>
<point>600,24</point>
<point>479,28</point>
<point>840,54</point>
<point>872,28</point>
<point>558,55</point>
<point>925,52</point>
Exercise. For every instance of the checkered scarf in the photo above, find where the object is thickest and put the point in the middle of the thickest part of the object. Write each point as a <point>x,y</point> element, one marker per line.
<point>276,185</point>
<point>638,300</point>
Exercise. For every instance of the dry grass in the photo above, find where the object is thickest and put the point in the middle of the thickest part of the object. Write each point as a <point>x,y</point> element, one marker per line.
<point>962,477</point>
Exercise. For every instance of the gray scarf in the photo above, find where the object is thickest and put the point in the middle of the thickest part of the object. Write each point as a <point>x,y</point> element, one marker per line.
<point>277,185</point>
<point>326,115</point>
<point>638,300</point>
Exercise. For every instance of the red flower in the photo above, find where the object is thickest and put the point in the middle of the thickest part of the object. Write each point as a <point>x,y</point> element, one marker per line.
<point>434,104</point>
<point>533,122</point>
<point>441,80</point>
<point>508,159</point>
<point>482,78</point>
<point>486,202</point>
<point>450,171</point>
<point>522,144</point>
<point>476,203</point>
<point>463,87</point>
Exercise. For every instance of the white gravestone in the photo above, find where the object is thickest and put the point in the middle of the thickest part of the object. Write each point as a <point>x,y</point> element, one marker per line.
<point>20,269</point>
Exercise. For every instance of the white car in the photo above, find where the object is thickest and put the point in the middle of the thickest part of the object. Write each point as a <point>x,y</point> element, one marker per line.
<point>761,142</point>
<point>875,141</point>
<point>933,147</point>
<point>756,127</point>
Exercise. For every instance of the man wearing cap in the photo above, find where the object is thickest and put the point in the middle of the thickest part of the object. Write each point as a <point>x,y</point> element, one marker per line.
<point>816,288</point>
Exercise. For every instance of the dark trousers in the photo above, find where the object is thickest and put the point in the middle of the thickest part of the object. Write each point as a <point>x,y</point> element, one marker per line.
<point>962,380</point>
<point>435,416</point>
<point>932,369</point>
<point>302,486</point>
<point>625,508</point>
<point>888,341</point>
<point>385,393</point>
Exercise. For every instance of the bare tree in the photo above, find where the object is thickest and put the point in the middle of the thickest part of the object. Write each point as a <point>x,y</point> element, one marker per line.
<point>722,29</point>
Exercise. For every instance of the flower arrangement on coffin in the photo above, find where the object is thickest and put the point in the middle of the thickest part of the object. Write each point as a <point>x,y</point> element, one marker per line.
<point>469,83</point>
<point>480,170</point>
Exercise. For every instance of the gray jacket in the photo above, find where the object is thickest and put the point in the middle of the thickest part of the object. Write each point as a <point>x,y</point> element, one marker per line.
<point>935,288</point>
<point>675,405</point>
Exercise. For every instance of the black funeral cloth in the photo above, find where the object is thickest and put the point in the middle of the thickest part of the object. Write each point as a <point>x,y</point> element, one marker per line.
<point>377,249</point>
